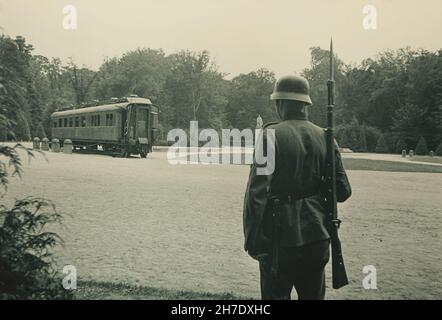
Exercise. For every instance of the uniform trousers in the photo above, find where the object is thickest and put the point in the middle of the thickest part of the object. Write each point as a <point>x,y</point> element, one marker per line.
<point>301,268</point>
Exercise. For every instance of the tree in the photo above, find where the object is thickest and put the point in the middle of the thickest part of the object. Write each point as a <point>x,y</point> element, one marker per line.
<point>362,140</point>
<point>407,123</point>
<point>317,74</point>
<point>342,139</point>
<point>400,145</point>
<point>14,76</point>
<point>372,134</point>
<point>142,72</point>
<point>26,262</point>
<point>439,149</point>
<point>248,96</point>
<point>399,91</point>
<point>22,130</point>
<point>421,147</point>
<point>349,135</point>
<point>382,146</point>
<point>26,258</point>
<point>194,90</point>
<point>81,80</point>
<point>40,132</point>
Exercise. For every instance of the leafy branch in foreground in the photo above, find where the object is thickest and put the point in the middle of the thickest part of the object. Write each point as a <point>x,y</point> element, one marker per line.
<point>26,261</point>
<point>14,161</point>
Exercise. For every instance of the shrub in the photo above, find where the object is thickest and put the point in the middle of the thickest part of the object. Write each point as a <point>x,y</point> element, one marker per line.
<point>439,149</point>
<point>381,146</point>
<point>362,140</point>
<point>26,264</point>
<point>400,145</point>
<point>372,135</point>
<point>23,133</point>
<point>40,132</point>
<point>357,137</point>
<point>26,270</point>
<point>348,134</point>
<point>421,147</point>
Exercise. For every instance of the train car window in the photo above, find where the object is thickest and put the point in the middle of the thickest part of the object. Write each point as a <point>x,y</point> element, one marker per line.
<point>55,124</point>
<point>109,119</point>
<point>96,120</point>
<point>71,122</point>
<point>83,121</point>
<point>60,123</point>
<point>65,120</point>
<point>77,122</point>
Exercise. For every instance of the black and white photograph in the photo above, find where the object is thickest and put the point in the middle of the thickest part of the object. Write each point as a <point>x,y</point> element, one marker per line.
<point>235,150</point>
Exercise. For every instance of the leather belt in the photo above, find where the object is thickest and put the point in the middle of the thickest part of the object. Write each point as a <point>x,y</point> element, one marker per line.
<point>290,198</point>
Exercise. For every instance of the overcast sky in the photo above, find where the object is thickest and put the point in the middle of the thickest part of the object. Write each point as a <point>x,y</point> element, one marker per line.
<point>241,35</point>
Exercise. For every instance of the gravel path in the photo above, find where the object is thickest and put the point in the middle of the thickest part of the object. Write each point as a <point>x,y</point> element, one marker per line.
<point>143,221</point>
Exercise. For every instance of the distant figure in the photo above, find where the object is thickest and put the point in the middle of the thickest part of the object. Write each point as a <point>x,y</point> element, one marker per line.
<point>292,251</point>
<point>259,122</point>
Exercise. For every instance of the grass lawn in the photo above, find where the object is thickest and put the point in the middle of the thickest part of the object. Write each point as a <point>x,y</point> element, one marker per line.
<point>94,290</point>
<point>427,159</point>
<point>382,165</point>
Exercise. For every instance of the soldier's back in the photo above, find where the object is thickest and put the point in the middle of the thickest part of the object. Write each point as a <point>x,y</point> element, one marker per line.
<point>300,157</point>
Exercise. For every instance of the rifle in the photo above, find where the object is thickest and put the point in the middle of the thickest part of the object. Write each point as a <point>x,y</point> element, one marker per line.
<point>338,267</point>
<point>276,217</point>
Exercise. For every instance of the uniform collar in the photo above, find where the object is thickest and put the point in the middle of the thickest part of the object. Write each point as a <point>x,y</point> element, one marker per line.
<point>297,116</point>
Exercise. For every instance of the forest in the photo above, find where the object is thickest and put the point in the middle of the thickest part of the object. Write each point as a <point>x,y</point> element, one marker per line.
<point>386,104</point>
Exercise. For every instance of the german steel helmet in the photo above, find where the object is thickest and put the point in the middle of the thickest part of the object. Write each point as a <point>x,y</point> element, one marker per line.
<point>292,87</point>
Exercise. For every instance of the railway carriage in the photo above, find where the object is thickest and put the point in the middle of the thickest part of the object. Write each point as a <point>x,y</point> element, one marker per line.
<point>126,126</point>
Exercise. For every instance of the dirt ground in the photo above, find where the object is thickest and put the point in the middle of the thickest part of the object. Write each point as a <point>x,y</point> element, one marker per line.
<point>146,222</point>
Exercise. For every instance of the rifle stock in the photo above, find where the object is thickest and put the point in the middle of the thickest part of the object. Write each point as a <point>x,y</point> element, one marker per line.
<point>338,268</point>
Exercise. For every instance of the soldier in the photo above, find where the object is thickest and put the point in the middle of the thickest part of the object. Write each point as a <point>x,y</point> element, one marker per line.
<point>294,251</point>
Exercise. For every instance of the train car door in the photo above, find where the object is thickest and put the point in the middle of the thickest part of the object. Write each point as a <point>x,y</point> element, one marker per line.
<point>142,129</point>
<point>142,122</point>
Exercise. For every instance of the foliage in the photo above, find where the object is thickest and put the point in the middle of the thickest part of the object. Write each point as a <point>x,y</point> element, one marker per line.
<point>398,92</point>
<point>400,145</point>
<point>382,145</point>
<point>362,140</point>
<point>348,135</point>
<point>317,75</point>
<point>26,265</point>
<point>26,262</point>
<point>22,130</point>
<point>357,137</point>
<point>142,72</point>
<point>421,147</point>
<point>407,123</point>
<point>439,149</point>
<point>249,96</point>
<point>373,135</point>
<point>81,80</point>
<point>40,132</point>
<point>194,90</point>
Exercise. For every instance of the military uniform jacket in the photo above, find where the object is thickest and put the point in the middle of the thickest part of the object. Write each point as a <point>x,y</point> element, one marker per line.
<point>300,154</point>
